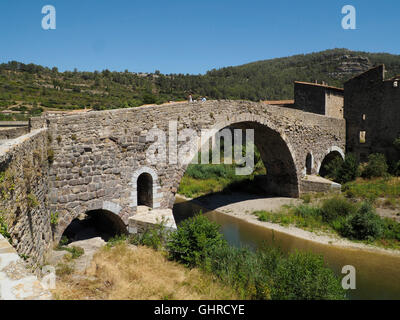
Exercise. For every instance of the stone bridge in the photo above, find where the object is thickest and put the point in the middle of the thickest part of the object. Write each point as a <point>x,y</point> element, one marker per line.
<point>100,161</point>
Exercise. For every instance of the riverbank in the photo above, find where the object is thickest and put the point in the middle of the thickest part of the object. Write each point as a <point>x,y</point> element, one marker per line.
<point>241,206</point>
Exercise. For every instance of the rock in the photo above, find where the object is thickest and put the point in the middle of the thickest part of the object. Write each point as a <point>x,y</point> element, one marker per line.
<point>90,247</point>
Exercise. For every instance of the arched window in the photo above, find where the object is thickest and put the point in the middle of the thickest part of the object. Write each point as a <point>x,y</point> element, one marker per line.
<point>309,164</point>
<point>145,190</point>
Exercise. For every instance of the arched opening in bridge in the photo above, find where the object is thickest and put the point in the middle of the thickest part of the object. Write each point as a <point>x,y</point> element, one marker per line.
<point>95,223</point>
<point>309,163</point>
<point>331,161</point>
<point>145,190</point>
<point>273,175</point>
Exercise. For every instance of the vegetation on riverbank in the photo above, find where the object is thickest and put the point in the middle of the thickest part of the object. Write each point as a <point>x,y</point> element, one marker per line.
<point>264,274</point>
<point>356,221</point>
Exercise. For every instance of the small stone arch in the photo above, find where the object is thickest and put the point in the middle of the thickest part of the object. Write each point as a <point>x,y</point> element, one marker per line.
<point>309,165</point>
<point>331,152</point>
<point>142,178</point>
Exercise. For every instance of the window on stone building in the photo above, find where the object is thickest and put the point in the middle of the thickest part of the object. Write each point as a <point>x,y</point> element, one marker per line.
<point>364,117</point>
<point>145,190</point>
<point>363,136</point>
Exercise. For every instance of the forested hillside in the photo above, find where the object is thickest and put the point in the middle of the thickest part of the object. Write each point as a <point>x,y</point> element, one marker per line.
<point>28,89</point>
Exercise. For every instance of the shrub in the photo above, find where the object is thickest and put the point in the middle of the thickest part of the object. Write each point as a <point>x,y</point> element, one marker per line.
<point>376,167</point>
<point>304,276</point>
<point>154,237</point>
<point>332,168</point>
<point>4,229</point>
<point>365,224</point>
<point>349,170</point>
<point>242,269</point>
<point>391,229</point>
<point>269,274</point>
<point>193,239</point>
<point>336,207</point>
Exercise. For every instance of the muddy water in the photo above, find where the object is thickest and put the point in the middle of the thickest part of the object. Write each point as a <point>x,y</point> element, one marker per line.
<point>378,274</point>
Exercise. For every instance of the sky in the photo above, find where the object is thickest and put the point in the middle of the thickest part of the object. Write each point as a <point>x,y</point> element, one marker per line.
<point>188,36</point>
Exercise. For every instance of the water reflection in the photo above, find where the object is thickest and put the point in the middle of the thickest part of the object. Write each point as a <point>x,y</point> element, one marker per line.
<point>378,274</point>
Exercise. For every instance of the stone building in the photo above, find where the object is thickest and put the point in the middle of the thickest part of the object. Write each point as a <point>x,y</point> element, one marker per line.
<point>372,113</point>
<point>319,98</point>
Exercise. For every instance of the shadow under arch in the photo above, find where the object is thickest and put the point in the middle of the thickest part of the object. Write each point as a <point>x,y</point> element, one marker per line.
<point>329,157</point>
<point>276,154</point>
<point>95,223</point>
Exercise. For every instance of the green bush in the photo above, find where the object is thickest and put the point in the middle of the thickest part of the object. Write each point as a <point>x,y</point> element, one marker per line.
<point>336,207</point>
<point>365,224</point>
<point>332,168</point>
<point>4,229</point>
<point>304,276</point>
<point>242,269</point>
<point>269,274</point>
<point>376,167</point>
<point>349,170</point>
<point>391,229</point>
<point>193,239</point>
<point>154,237</point>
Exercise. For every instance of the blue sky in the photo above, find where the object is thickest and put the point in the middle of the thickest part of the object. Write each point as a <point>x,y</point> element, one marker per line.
<point>187,36</point>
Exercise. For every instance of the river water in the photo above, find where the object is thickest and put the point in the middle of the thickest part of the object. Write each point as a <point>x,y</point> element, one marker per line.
<point>377,273</point>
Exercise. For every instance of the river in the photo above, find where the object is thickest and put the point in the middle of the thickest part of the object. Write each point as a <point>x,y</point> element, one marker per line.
<point>377,273</point>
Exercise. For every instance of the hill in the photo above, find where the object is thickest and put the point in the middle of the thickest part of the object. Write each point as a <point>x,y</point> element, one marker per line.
<point>28,89</point>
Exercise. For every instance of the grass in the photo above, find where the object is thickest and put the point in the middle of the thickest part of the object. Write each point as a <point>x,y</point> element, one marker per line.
<point>124,273</point>
<point>203,179</point>
<point>333,216</point>
<point>373,189</point>
<point>304,216</point>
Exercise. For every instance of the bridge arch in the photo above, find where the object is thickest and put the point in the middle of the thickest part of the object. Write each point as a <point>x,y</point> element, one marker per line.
<point>330,154</point>
<point>95,223</point>
<point>275,149</point>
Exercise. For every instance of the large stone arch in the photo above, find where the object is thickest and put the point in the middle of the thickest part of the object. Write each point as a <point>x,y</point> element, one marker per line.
<point>275,148</point>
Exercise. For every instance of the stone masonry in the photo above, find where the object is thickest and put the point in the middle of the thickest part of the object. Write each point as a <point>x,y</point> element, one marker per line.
<point>98,156</point>
<point>23,192</point>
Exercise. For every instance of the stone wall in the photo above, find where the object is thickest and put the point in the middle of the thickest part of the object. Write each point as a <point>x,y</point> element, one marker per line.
<point>320,99</point>
<point>372,110</point>
<point>24,188</point>
<point>98,155</point>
